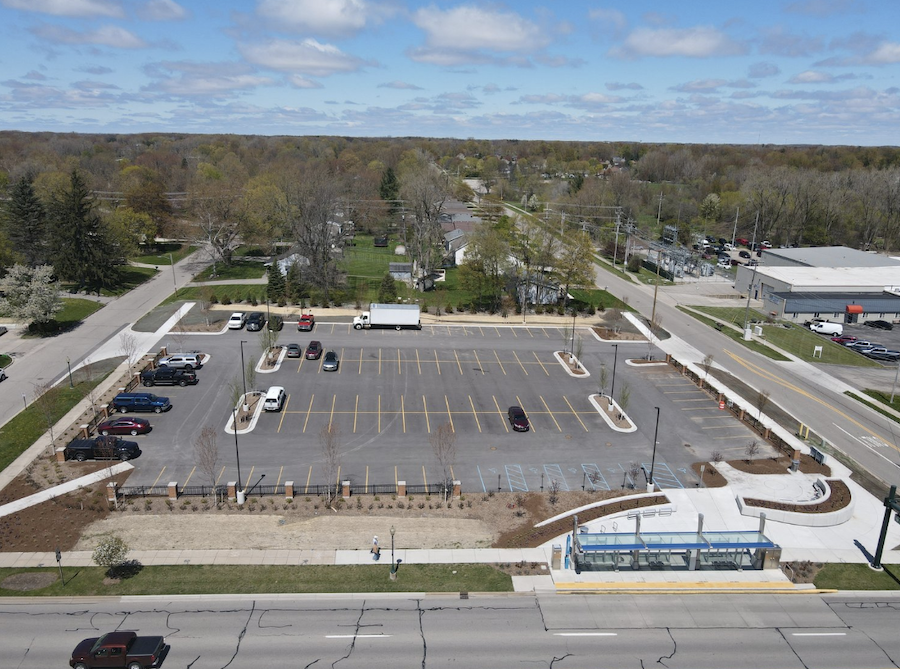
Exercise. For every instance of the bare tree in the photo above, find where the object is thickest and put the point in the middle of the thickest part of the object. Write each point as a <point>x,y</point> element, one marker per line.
<point>88,373</point>
<point>45,398</point>
<point>206,297</point>
<point>177,333</point>
<point>129,346</point>
<point>579,347</point>
<point>443,445</point>
<point>603,378</point>
<point>633,470</point>
<point>624,396</point>
<point>330,441</point>
<point>206,453</point>
<point>250,373</point>
<point>424,188</point>
<point>706,365</point>
<point>615,317</point>
<point>751,450</point>
<point>762,399</point>
<point>716,457</point>
<point>553,492</point>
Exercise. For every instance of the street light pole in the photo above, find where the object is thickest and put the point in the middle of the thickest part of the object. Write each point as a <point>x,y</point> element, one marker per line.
<point>612,391</point>
<point>650,484</point>
<point>174,280</point>
<point>393,563</point>
<point>69,365</point>
<point>243,374</point>
<point>237,456</point>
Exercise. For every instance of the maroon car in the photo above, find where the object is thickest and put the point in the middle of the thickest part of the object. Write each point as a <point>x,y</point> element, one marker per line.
<point>124,425</point>
<point>314,350</point>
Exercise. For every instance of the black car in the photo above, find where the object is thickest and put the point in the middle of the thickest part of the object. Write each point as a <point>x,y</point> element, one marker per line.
<point>518,419</point>
<point>744,254</point>
<point>166,376</point>
<point>255,321</point>
<point>881,325</point>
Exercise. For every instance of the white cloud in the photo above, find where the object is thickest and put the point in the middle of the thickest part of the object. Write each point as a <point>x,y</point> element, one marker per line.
<point>162,10</point>
<point>763,70</point>
<point>189,79</point>
<point>449,57</point>
<point>302,82</point>
<point>618,86</point>
<point>822,8</point>
<point>700,85</point>
<point>68,7</point>
<point>112,36</point>
<point>886,53</point>
<point>779,42</point>
<point>308,57</point>
<point>810,77</point>
<point>35,76</point>
<point>697,42</point>
<point>324,17</point>
<point>611,19</point>
<point>96,69</point>
<point>470,28</point>
<point>400,85</point>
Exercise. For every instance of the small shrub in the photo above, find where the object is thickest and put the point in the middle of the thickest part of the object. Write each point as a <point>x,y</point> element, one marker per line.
<point>421,505</point>
<point>226,299</point>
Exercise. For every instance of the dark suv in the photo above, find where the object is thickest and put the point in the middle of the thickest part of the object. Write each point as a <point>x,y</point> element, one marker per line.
<point>255,321</point>
<point>102,448</point>
<point>166,376</point>
<point>125,402</point>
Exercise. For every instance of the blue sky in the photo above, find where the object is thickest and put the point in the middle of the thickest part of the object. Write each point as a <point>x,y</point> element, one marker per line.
<point>769,71</point>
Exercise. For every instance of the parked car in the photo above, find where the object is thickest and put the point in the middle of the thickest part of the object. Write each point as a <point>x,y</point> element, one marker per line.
<point>862,345</point>
<point>742,241</point>
<point>306,323</point>
<point>294,351</point>
<point>182,361</point>
<point>881,353</point>
<point>3,375</point>
<point>744,254</point>
<point>119,650</point>
<point>331,362</point>
<point>518,419</point>
<point>881,325</point>
<point>3,330</point>
<point>275,322</point>
<point>237,320</point>
<point>844,339</point>
<point>255,321</point>
<point>124,425</point>
<point>125,402</point>
<point>168,376</point>
<point>314,350</point>
<point>102,448</point>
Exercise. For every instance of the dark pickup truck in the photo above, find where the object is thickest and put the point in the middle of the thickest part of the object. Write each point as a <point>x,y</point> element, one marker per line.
<point>102,448</point>
<point>122,650</point>
<point>167,376</point>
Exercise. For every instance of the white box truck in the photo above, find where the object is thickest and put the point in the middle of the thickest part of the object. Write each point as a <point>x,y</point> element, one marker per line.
<point>396,316</point>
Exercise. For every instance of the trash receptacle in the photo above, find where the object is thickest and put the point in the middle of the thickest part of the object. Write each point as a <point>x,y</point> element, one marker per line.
<point>556,557</point>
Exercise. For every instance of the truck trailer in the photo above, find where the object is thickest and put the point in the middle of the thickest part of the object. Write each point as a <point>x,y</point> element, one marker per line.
<point>396,316</point>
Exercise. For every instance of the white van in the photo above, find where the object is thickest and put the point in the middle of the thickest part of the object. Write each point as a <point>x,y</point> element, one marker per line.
<point>826,328</point>
<point>275,397</point>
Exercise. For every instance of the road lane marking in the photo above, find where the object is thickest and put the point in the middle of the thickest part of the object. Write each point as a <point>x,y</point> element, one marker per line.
<point>187,480</point>
<point>280,473</point>
<point>520,363</point>
<point>474,413</point>
<point>500,413</point>
<point>458,363</point>
<point>585,634</point>
<point>552,417</point>
<point>437,362</point>
<point>499,363</point>
<point>449,415</point>
<point>219,477</point>
<point>478,361</point>
<point>379,361</point>
<point>399,366</point>
<point>358,636</point>
<point>418,362</point>
<point>541,364</point>
<point>530,420</point>
<point>162,471</point>
<point>360,361</point>
<point>379,414</point>
<point>868,446</point>
<point>367,479</point>
<point>424,478</point>
<point>575,413</point>
<point>355,413</point>
<point>425,409</point>
<point>308,412</point>
<point>283,412</point>
<point>403,413</point>
<point>331,415</point>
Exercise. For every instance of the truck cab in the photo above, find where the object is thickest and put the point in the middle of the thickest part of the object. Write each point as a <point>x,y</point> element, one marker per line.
<point>121,650</point>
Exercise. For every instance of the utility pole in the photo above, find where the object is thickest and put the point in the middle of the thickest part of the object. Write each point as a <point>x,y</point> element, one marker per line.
<point>734,231</point>
<point>618,223</point>
<point>752,281</point>
<point>659,209</point>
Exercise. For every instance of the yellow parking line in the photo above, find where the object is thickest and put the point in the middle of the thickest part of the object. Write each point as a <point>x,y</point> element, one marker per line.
<point>458,363</point>
<point>541,364</point>
<point>308,411</point>
<point>331,415</point>
<point>474,413</point>
<point>403,413</point>
<point>452,475</point>
<point>280,473</point>
<point>337,481</point>
<point>500,413</point>
<point>550,412</point>
<point>379,361</point>
<point>528,330</point>
<point>395,475</point>
<point>379,414</point>
<point>399,367</point>
<point>424,478</point>
<point>526,413</point>
<point>360,360</point>
<point>160,476</point>
<point>437,362</point>
<point>575,413</point>
<point>367,479</point>
<point>449,415</point>
<point>418,362</point>
<point>515,334</point>
<point>499,363</point>
<point>425,407</point>
<point>497,330</point>
<point>188,479</point>
<point>478,361</point>
<point>308,477</point>
<point>284,412</point>
<point>341,367</point>
<point>355,413</point>
<point>249,477</point>
<point>219,477</point>
<point>520,363</point>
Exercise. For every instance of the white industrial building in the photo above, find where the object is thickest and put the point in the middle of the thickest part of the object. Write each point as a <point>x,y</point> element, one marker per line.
<point>832,283</point>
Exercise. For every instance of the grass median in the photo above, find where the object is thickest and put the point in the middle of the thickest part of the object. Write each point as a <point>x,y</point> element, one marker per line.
<point>252,579</point>
<point>762,349</point>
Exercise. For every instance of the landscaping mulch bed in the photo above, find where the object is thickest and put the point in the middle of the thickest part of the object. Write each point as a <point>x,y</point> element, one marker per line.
<point>838,499</point>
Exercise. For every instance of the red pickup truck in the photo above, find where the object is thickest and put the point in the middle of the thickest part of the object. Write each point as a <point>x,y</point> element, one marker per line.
<point>121,650</point>
<point>306,322</point>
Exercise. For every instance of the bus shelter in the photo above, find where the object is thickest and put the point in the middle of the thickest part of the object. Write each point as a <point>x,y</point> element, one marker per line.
<point>672,550</point>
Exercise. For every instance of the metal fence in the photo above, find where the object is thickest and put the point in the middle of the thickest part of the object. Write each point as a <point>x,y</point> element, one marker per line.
<point>143,491</point>
<point>279,490</point>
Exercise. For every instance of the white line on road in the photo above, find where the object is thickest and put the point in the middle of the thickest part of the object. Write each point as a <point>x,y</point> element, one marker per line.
<point>867,445</point>
<point>819,634</point>
<point>585,634</point>
<point>358,636</point>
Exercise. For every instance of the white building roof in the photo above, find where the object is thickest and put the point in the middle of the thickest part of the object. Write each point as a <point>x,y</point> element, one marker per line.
<point>835,279</point>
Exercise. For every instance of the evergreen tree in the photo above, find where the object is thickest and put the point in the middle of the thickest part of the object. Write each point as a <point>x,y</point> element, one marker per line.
<point>276,287</point>
<point>83,250</point>
<point>293,288</point>
<point>389,190</point>
<point>387,292</point>
<point>26,223</point>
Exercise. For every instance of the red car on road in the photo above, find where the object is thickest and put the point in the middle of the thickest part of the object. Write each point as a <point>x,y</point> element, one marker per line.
<point>124,425</point>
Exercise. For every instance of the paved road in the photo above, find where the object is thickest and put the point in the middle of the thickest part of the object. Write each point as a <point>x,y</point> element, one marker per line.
<point>38,361</point>
<point>408,630</point>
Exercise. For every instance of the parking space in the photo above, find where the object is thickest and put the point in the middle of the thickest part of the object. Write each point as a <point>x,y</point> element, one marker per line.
<point>393,390</point>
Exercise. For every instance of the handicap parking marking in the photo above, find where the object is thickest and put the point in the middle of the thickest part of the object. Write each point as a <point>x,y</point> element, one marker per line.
<point>663,476</point>
<point>595,477</point>
<point>515,478</point>
<point>555,473</point>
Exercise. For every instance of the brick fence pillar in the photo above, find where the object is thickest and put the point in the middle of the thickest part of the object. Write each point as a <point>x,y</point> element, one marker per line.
<point>232,490</point>
<point>61,454</point>
<point>289,490</point>
<point>104,411</point>
<point>85,434</point>
<point>111,497</point>
<point>345,489</point>
<point>172,490</point>
<point>456,489</point>
<point>401,488</point>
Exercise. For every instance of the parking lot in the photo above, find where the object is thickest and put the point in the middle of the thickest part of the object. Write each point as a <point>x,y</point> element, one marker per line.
<point>393,389</point>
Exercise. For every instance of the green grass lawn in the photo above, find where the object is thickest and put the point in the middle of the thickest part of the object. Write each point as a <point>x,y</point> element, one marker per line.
<point>4,360</point>
<point>160,255</point>
<point>25,428</point>
<point>238,269</point>
<point>247,579</point>
<point>129,279</point>
<point>736,336</point>
<point>598,297</point>
<point>75,310</point>
<point>843,576</point>
<point>235,292</point>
